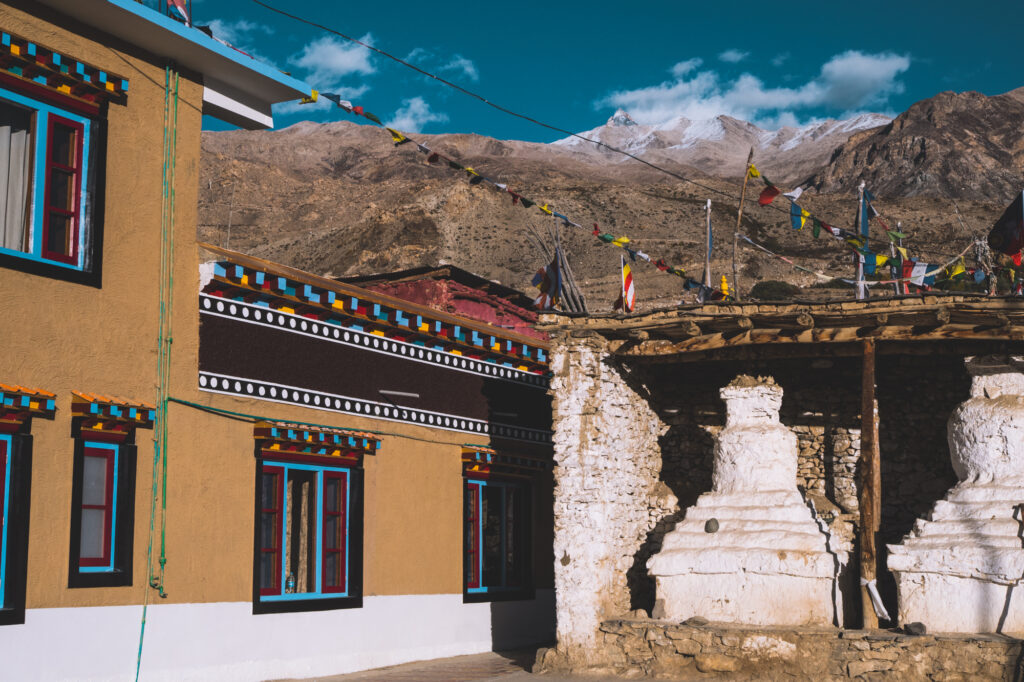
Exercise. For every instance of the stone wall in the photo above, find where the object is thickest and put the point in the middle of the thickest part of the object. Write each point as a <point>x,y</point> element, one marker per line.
<point>633,648</point>
<point>608,496</point>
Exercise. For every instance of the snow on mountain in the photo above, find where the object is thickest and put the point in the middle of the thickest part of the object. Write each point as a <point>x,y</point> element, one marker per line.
<point>719,145</point>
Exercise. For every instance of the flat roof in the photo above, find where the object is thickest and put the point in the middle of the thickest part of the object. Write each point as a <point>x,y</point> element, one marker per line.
<point>673,332</point>
<point>190,48</point>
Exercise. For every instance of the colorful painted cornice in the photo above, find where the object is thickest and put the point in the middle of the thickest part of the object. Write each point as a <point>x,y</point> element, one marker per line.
<point>363,312</point>
<point>19,404</point>
<point>110,417</point>
<point>284,438</point>
<point>480,460</point>
<point>30,61</point>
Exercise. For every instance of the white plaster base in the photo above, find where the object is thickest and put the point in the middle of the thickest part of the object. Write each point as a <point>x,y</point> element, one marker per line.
<point>747,598</point>
<point>225,641</point>
<point>946,603</point>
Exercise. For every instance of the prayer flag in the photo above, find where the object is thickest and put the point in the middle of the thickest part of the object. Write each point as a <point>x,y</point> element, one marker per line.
<point>815,227</point>
<point>179,5</point>
<point>367,114</point>
<point>526,202</point>
<point>621,241</point>
<point>433,158</point>
<point>768,195</point>
<point>1007,235</point>
<point>627,297</point>
<point>797,216</point>
<point>864,205</point>
<point>546,209</point>
<point>549,281</point>
<point>1017,259</point>
<point>958,269</point>
<point>398,137</point>
<point>752,172</point>
<point>795,194</point>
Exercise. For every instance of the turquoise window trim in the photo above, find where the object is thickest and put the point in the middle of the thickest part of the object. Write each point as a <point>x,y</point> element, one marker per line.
<point>36,200</point>
<point>113,509</point>
<point>9,443</point>
<point>319,593</point>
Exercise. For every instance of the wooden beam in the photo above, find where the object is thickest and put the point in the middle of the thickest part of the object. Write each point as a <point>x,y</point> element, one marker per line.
<point>870,497</point>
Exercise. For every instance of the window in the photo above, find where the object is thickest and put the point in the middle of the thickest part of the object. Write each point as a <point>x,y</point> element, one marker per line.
<point>496,539</point>
<point>308,549</point>
<point>15,476</point>
<point>48,171</point>
<point>102,514</point>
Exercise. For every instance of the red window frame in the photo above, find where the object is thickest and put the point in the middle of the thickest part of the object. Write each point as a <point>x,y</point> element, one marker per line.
<point>326,547</point>
<point>278,474</point>
<point>76,173</point>
<point>473,547</point>
<point>108,505</point>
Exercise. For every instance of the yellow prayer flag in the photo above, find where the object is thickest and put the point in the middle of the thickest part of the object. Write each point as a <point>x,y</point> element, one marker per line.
<point>752,172</point>
<point>903,252</point>
<point>395,135</point>
<point>546,209</point>
<point>958,268</point>
<point>621,241</point>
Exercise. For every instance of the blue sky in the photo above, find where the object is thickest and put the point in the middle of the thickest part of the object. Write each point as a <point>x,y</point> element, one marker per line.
<point>573,63</point>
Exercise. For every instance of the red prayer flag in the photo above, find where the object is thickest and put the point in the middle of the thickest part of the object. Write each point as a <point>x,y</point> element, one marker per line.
<point>1017,258</point>
<point>768,194</point>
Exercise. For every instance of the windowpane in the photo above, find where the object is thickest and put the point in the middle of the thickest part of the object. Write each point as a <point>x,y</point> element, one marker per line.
<point>268,570</point>
<point>59,233</point>
<point>62,190</point>
<point>268,531</point>
<point>493,504</point>
<point>332,574</point>
<point>269,497</point>
<point>332,532</point>
<point>94,480</point>
<point>331,494</point>
<point>63,145</point>
<point>93,531</point>
<point>16,146</point>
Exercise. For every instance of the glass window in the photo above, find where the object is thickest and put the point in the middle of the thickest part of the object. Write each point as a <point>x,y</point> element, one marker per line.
<point>303,536</point>
<point>102,514</point>
<point>496,536</point>
<point>46,155</point>
<point>5,476</point>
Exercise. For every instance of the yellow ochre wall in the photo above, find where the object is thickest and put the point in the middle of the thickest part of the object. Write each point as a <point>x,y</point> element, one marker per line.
<point>61,337</point>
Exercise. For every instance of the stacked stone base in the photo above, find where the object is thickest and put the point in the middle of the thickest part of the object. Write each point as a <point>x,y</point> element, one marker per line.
<point>646,648</point>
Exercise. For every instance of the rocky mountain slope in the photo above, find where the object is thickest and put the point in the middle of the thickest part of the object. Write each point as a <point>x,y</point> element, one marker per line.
<point>341,199</point>
<point>954,144</point>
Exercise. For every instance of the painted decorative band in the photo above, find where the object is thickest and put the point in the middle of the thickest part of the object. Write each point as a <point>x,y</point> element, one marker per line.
<point>320,400</point>
<point>298,324</point>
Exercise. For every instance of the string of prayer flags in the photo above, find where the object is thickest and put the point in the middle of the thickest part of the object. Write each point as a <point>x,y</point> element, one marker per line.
<point>798,216</point>
<point>548,279</point>
<point>627,296</point>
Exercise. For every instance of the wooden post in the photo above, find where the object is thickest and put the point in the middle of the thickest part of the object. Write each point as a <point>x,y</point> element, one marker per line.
<point>736,235</point>
<point>707,247</point>
<point>857,256</point>
<point>870,498</point>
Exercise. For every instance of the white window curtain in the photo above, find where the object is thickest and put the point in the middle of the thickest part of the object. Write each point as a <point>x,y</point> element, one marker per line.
<point>15,182</point>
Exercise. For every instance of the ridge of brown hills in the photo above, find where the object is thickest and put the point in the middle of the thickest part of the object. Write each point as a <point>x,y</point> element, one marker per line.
<point>340,199</point>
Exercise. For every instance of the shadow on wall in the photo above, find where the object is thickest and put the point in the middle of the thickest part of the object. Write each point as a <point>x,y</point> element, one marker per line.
<point>523,623</point>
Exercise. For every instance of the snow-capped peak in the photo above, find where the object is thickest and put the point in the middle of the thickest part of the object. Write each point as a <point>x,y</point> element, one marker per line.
<point>621,118</point>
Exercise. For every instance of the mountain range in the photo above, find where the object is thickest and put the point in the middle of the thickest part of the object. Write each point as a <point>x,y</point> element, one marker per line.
<point>341,199</point>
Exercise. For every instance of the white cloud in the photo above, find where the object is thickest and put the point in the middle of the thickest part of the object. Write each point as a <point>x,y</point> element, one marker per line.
<point>328,60</point>
<point>683,68</point>
<point>414,114</point>
<point>780,59</point>
<point>240,31</point>
<point>733,56</point>
<point>466,66</point>
<point>848,82</point>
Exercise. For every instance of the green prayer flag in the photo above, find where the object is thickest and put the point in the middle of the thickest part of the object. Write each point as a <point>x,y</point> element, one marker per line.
<point>894,235</point>
<point>452,164</point>
<point>373,118</point>
<point>527,203</point>
<point>815,227</point>
<point>606,238</point>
